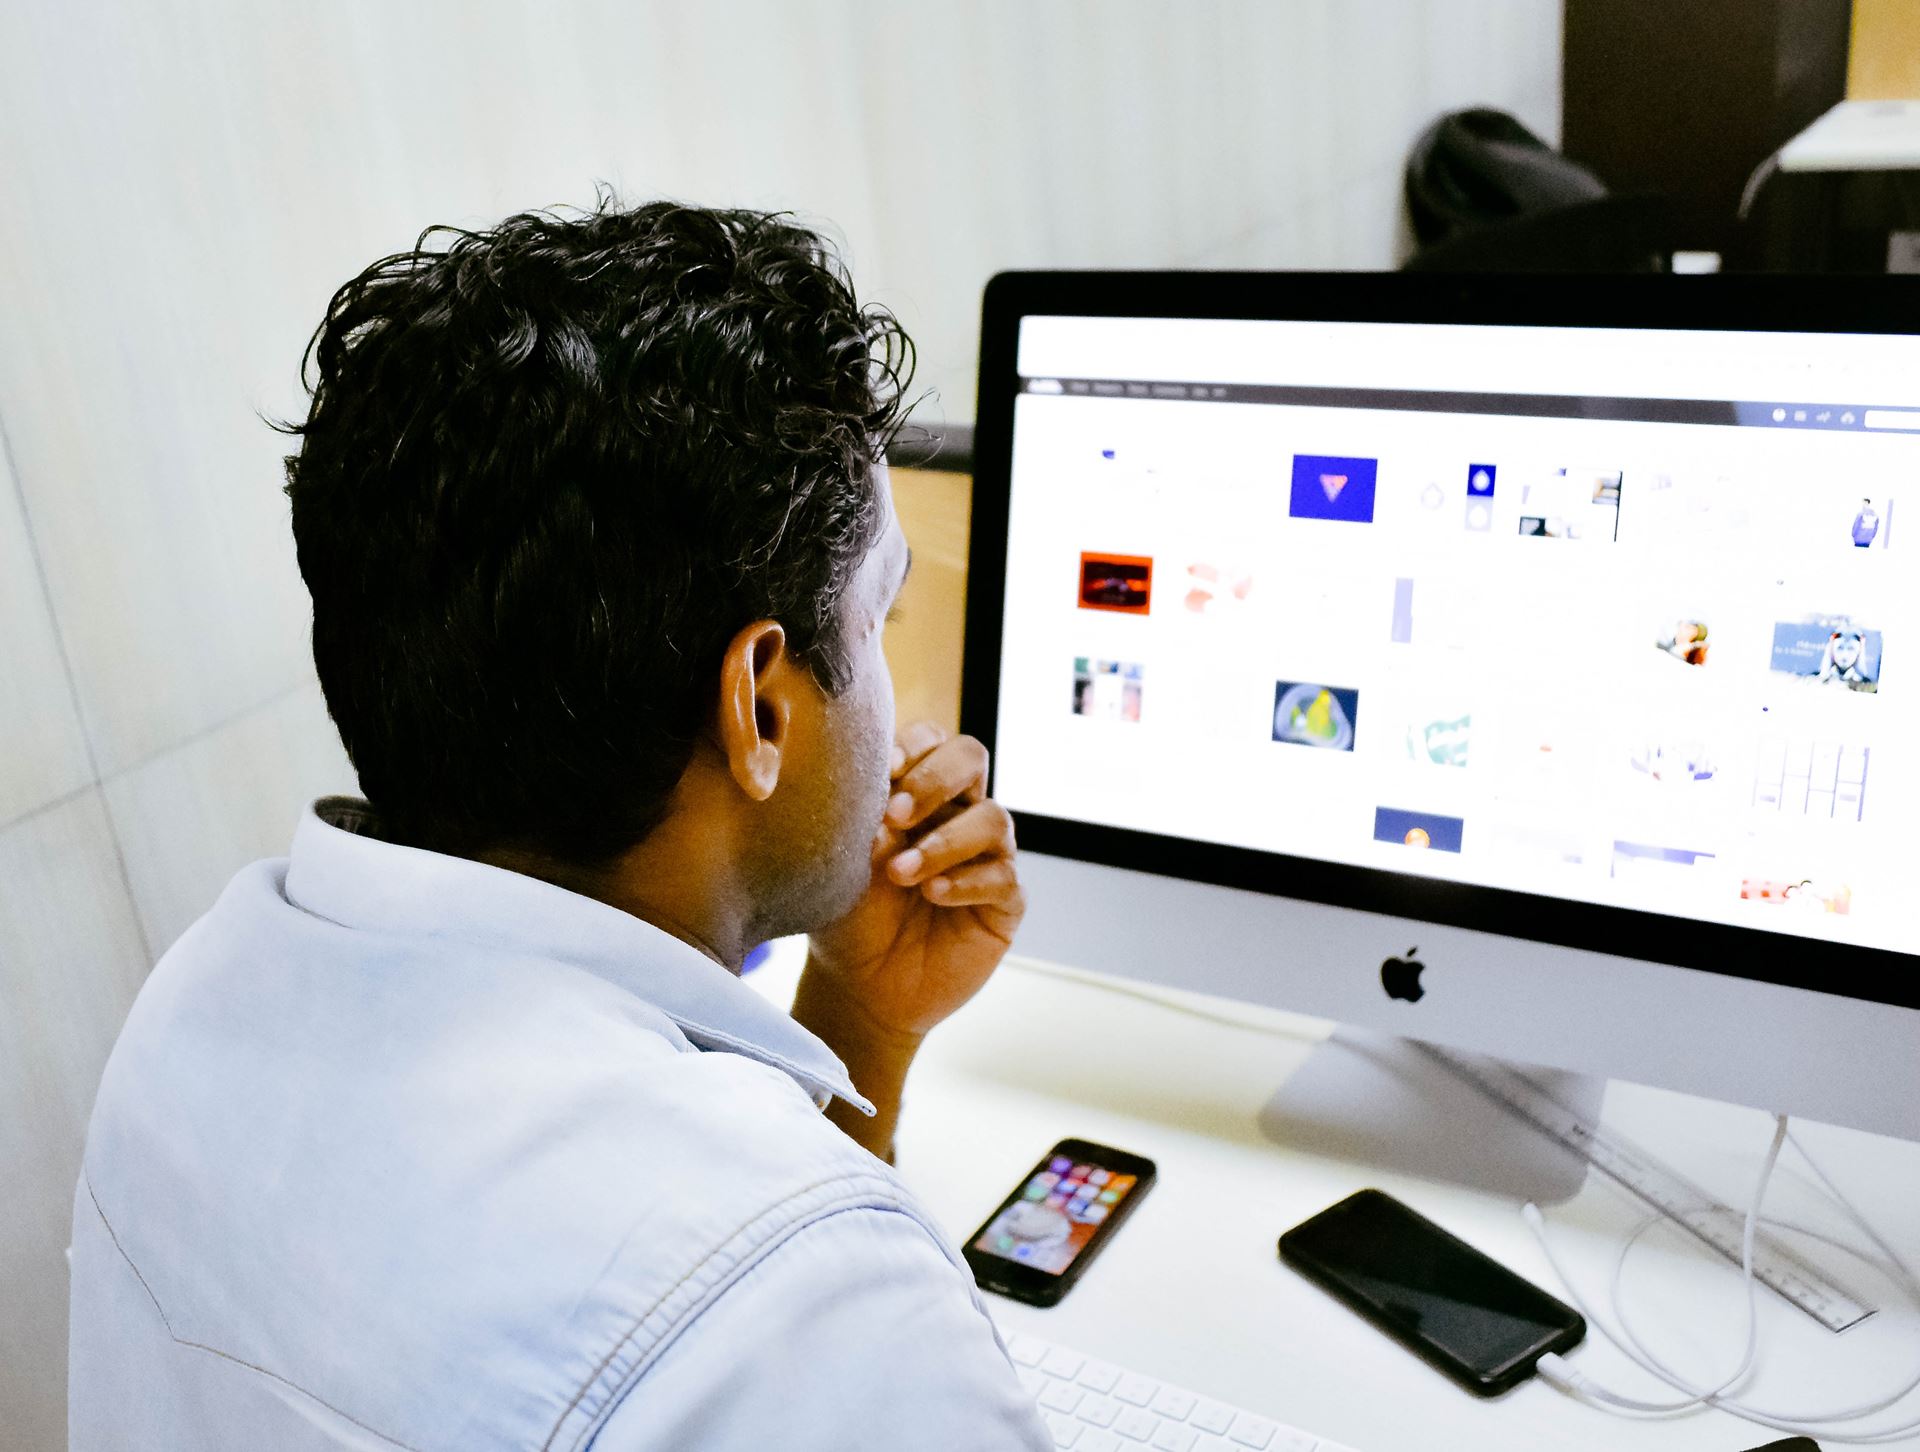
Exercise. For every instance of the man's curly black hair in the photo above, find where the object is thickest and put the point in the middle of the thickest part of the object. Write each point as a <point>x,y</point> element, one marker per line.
<point>548,472</point>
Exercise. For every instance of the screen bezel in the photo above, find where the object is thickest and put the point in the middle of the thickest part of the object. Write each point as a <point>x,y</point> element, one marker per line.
<point>1046,1288</point>
<point>1859,304</point>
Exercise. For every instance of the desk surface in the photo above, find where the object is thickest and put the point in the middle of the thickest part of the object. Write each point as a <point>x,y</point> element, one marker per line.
<point>1192,1291</point>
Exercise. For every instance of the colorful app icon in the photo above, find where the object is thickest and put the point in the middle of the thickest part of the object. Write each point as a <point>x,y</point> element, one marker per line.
<point>1098,1177</point>
<point>1109,1197</point>
<point>1122,1183</point>
<point>1059,1164</point>
<point>1055,1202</point>
<point>1003,1244</point>
<point>1023,1251</point>
<point>1095,1214</point>
<point>1037,1191</point>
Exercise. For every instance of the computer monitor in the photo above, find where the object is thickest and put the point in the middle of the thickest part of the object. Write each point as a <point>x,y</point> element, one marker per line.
<point>1561,635</point>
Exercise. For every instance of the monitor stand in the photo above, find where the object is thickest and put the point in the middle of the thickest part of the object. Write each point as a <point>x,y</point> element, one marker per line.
<point>1381,1101</point>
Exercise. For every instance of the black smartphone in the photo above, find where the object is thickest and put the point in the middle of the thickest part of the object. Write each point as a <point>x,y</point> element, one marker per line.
<point>1045,1234</point>
<point>1461,1311</point>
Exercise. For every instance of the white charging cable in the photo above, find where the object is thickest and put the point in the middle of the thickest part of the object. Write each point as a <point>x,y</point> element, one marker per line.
<point>1557,1371</point>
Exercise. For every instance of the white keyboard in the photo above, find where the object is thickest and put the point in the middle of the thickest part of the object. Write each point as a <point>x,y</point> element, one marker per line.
<point>1094,1406</point>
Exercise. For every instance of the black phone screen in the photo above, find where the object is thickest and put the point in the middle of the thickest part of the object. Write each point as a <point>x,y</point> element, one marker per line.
<point>1468,1314</point>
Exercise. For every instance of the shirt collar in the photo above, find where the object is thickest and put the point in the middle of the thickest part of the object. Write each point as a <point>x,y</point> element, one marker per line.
<point>340,871</point>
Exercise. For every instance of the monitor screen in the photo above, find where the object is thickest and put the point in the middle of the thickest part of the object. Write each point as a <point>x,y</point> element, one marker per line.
<point>1603,635</point>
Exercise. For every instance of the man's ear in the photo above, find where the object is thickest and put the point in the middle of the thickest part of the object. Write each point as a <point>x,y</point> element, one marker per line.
<point>757,682</point>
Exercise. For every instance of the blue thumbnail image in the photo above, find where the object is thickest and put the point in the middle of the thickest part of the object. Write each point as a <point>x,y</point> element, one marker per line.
<point>1327,486</point>
<point>1480,480</point>
<point>1418,829</point>
<point>1625,852</point>
<point>1828,651</point>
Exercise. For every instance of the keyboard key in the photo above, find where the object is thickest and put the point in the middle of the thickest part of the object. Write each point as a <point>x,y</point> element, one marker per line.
<point>1174,1403</point>
<point>1065,1430</point>
<point>1093,1406</point>
<point>1211,1416</point>
<point>1062,1396</point>
<point>1063,1363</point>
<point>1251,1431</point>
<point>1137,1424</point>
<point>1099,1376</point>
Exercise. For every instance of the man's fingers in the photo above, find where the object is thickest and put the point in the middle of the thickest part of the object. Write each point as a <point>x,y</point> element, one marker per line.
<point>983,830</point>
<point>994,884</point>
<point>953,770</point>
<point>912,742</point>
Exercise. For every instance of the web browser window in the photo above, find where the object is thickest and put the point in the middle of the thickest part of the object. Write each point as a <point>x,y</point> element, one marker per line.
<point>1614,617</point>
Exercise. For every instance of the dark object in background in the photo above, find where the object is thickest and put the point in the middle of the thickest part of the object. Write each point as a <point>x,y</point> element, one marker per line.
<point>1475,169</point>
<point>1683,101</point>
<point>1614,234</point>
<point>1485,194</point>
<point>944,447</point>
<point>1844,196</point>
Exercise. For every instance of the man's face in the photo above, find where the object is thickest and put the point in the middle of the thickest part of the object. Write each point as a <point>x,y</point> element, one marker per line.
<point>816,861</point>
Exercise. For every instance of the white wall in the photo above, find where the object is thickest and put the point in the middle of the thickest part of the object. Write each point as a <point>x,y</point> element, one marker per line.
<point>184,182</point>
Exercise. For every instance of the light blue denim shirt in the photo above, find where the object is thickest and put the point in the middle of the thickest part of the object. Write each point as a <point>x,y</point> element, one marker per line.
<point>401,1150</point>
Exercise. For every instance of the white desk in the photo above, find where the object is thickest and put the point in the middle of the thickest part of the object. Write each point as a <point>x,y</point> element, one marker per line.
<point>1192,1291</point>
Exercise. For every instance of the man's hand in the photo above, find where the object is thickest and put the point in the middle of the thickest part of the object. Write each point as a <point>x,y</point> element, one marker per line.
<point>945,896</point>
<point>938,916</point>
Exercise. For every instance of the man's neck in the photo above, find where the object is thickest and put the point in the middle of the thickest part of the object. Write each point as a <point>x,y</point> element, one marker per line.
<point>677,886</point>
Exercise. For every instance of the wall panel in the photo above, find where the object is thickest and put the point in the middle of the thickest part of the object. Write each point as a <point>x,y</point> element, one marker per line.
<point>192,817</point>
<point>71,960</point>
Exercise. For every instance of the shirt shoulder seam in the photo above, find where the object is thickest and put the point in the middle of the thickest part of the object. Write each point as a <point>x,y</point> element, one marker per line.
<point>860,1191</point>
<point>215,1351</point>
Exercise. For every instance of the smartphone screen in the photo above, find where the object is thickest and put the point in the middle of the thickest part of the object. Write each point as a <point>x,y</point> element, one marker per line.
<point>1465,1313</point>
<point>1040,1239</point>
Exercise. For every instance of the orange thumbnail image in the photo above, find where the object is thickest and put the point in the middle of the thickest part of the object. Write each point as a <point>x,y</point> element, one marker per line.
<point>1116,582</point>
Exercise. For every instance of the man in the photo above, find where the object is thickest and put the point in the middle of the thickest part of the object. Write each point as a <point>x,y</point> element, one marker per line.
<point>456,1129</point>
<point>1866,525</point>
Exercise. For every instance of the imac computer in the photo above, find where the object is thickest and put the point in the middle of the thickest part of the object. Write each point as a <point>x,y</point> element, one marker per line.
<point>1528,666</point>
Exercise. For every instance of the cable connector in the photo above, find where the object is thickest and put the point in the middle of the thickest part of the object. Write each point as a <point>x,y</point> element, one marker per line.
<point>1556,1371</point>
